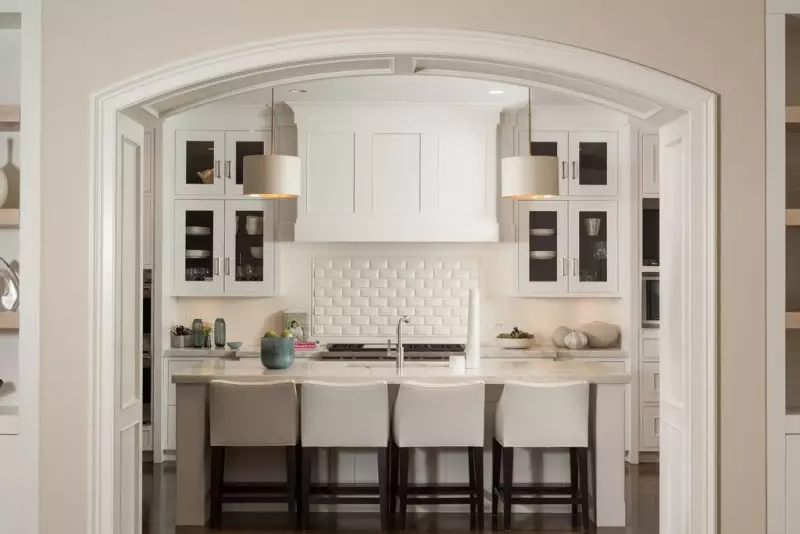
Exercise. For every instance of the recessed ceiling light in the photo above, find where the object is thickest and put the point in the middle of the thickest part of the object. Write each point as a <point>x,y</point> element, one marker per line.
<point>496,92</point>
<point>297,90</point>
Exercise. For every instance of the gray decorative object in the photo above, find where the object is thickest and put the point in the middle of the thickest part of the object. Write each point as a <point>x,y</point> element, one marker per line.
<point>198,336</point>
<point>219,332</point>
<point>277,352</point>
<point>558,336</point>
<point>601,335</point>
<point>9,293</point>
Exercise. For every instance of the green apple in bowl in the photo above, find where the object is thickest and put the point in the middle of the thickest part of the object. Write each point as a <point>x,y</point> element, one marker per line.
<point>270,333</point>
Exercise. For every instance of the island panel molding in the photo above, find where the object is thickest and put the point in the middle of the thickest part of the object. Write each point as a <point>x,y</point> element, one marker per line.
<point>364,297</point>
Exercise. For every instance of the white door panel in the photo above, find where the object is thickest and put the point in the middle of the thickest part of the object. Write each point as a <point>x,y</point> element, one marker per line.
<point>675,341</point>
<point>128,329</point>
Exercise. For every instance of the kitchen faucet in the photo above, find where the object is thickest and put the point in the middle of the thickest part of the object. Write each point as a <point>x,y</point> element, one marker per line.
<point>400,352</point>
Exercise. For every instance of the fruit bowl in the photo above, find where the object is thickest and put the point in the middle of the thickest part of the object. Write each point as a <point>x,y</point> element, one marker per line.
<point>277,352</point>
<point>515,343</point>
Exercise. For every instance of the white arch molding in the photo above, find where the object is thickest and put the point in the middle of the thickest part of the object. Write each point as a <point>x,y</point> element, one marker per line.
<point>598,77</point>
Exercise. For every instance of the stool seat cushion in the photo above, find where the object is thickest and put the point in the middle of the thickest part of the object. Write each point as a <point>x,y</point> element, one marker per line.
<point>344,415</point>
<point>543,415</point>
<point>428,415</point>
<point>252,414</point>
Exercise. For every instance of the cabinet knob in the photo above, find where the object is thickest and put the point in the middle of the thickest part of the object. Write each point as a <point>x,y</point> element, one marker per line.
<point>216,266</point>
<point>574,266</point>
<point>216,169</point>
<point>227,169</point>
<point>563,170</point>
<point>573,170</point>
<point>563,266</point>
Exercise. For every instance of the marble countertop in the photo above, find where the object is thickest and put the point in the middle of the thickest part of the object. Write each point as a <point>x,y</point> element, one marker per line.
<point>498,371</point>
<point>489,351</point>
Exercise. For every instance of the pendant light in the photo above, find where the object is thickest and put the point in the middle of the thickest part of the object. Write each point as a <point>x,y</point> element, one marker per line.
<point>272,175</point>
<point>529,176</point>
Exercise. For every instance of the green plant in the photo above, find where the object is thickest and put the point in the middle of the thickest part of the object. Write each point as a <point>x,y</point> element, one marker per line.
<point>516,333</point>
<point>207,328</point>
<point>180,330</point>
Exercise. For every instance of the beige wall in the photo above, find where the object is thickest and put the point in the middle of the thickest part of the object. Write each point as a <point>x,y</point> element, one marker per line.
<point>90,44</point>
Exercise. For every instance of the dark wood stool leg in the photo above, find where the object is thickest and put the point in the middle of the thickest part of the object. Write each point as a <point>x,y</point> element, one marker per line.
<point>306,487</point>
<point>508,482</point>
<point>393,461</point>
<point>478,462</point>
<point>473,485</point>
<point>291,484</point>
<point>583,461</point>
<point>497,456</point>
<point>217,478</point>
<point>402,489</point>
<point>573,483</point>
<point>383,484</point>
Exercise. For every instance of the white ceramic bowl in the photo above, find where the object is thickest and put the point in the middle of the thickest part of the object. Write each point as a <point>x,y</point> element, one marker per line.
<point>197,230</point>
<point>514,343</point>
<point>198,253</point>
<point>257,252</point>
<point>543,232</point>
<point>543,254</point>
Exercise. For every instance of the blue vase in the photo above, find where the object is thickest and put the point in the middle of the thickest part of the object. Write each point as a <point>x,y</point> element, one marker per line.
<point>277,352</point>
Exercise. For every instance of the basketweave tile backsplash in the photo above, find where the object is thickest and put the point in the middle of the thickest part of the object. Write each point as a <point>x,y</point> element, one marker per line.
<point>365,296</point>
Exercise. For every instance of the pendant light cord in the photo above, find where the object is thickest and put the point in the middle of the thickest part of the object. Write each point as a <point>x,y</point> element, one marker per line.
<point>272,123</point>
<point>530,125</point>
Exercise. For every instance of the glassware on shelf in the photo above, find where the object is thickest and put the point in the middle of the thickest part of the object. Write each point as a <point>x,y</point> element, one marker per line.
<point>600,250</point>
<point>593,225</point>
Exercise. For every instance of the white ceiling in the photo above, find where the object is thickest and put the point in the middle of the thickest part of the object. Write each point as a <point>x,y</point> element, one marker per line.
<point>409,88</point>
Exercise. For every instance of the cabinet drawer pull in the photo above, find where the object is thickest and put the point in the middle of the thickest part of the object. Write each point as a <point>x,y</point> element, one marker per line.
<point>228,266</point>
<point>216,169</point>
<point>216,266</point>
<point>563,170</point>
<point>656,382</point>
<point>574,266</point>
<point>656,420</point>
<point>563,266</point>
<point>573,170</point>
<point>227,169</point>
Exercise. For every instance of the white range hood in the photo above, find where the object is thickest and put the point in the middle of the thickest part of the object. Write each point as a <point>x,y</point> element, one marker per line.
<point>397,172</point>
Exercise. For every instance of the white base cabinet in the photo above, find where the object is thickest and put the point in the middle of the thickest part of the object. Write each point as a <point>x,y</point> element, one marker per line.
<point>567,248</point>
<point>225,248</point>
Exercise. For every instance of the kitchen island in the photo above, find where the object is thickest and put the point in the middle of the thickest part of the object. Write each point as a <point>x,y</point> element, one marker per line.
<point>607,429</point>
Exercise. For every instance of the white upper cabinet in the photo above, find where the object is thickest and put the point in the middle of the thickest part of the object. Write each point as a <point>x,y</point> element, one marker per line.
<point>396,173</point>
<point>649,164</point>
<point>225,248</point>
<point>209,162</point>
<point>567,248</point>
<point>593,166</point>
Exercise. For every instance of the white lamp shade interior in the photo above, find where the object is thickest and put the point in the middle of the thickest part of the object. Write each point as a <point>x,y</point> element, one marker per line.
<point>528,177</point>
<point>272,176</point>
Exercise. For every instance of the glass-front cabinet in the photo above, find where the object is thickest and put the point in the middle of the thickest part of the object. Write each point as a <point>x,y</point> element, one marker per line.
<point>224,247</point>
<point>593,246</point>
<point>542,247</point>
<point>209,162</point>
<point>567,247</point>
<point>593,163</point>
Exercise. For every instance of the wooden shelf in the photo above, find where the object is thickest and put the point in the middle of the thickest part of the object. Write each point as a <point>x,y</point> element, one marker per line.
<point>792,320</point>
<point>9,218</point>
<point>9,118</point>
<point>9,320</point>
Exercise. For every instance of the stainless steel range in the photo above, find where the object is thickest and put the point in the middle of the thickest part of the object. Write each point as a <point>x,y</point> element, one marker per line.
<point>376,352</point>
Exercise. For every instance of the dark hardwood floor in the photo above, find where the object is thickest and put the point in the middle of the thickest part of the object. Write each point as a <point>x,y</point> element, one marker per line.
<point>158,492</point>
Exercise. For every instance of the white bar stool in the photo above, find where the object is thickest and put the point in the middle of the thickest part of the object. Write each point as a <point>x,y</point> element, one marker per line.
<point>345,415</point>
<point>428,415</point>
<point>250,414</point>
<point>542,416</point>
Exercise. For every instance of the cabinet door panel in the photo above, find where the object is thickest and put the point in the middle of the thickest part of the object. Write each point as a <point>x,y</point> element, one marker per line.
<point>199,239</point>
<point>649,384</point>
<point>542,247</point>
<point>649,428</point>
<point>593,163</point>
<point>198,162</point>
<point>593,246</point>
<point>237,146</point>
<point>249,265</point>
<point>649,164</point>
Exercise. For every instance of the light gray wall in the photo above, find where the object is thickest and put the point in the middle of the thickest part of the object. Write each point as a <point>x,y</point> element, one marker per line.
<point>91,44</point>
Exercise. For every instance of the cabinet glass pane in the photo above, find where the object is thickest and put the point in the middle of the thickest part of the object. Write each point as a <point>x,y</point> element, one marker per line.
<point>543,246</point>
<point>199,266</point>
<point>249,258</point>
<point>246,148</point>
<point>544,148</point>
<point>593,163</point>
<point>593,251</point>
<point>199,162</point>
